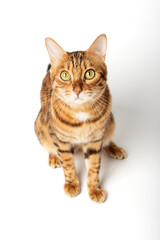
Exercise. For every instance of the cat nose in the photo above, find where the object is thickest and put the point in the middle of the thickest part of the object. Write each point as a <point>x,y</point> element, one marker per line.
<point>77,91</point>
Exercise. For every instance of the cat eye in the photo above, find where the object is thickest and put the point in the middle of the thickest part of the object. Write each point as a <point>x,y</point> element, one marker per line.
<point>65,76</point>
<point>89,74</point>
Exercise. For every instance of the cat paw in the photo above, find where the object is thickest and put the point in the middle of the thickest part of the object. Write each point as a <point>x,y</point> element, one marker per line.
<point>97,195</point>
<point>71,189</point>
<point>54,161</point>
<point>115,152</point>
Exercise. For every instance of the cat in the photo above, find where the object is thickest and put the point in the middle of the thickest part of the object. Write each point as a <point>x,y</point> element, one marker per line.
<point>76,113</point>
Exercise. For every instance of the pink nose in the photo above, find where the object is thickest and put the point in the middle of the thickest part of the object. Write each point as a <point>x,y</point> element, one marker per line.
<point>77,91</point>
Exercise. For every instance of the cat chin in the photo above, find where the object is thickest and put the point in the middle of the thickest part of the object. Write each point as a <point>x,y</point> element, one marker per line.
<point>79,101</point>
<point>76,102</point>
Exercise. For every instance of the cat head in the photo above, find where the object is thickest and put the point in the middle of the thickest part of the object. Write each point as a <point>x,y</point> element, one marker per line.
<point>80,76</point>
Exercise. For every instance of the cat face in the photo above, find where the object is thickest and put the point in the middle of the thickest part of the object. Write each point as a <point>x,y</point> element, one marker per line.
<point>78,77</point>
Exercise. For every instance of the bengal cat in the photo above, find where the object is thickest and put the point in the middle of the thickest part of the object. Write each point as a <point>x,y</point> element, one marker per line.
<point>76,112</point>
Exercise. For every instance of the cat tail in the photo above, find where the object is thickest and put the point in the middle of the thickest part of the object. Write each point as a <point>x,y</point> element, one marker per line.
<point>49,66</point>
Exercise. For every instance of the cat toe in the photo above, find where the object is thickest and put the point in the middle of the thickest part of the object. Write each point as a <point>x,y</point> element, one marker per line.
<point>97,195</point>
<point>54,161</point>
<point>71,189</point>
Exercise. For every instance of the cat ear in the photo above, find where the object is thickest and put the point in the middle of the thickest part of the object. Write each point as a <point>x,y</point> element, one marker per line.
<point>54,50</point>
<point>98,47</point>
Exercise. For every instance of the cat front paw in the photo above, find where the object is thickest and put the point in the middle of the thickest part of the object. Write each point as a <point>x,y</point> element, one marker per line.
<point>54,161</point>
<point>71,189</point>
<point>97,195</point>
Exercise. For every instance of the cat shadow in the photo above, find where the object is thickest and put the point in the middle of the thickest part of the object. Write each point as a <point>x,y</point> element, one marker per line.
<point>109,166</point>
<point>125,135</point>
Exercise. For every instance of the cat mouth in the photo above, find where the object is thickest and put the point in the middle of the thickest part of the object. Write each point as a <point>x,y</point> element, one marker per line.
<point>78,99</point>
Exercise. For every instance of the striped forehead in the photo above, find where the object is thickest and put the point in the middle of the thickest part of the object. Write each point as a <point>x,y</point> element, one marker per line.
<point>76,58</point>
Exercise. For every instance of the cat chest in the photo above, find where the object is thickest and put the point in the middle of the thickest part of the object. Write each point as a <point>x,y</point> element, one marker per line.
<point>80,131</point>
<point>81,134</point>
<point>82,116</point>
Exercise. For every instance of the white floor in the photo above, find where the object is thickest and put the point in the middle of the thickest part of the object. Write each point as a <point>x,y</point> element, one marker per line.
<point>32,202</point>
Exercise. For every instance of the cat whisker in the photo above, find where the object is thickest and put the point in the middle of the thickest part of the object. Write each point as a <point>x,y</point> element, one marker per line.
<point>115,110</point>
<point>57,103</point>
<point>95,107</point>
<point>49,100</point>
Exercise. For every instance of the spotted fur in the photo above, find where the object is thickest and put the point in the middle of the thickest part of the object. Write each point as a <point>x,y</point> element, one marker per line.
<point>67,122</point>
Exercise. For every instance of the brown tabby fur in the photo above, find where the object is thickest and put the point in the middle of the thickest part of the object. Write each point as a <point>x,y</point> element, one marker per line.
<point>60,131</point>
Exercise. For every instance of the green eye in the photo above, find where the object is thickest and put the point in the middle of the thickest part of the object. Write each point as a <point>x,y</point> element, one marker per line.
<point>65,76</point>
<point>89,74</point>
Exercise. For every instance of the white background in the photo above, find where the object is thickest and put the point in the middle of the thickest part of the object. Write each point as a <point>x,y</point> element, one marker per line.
<point>32,202</point>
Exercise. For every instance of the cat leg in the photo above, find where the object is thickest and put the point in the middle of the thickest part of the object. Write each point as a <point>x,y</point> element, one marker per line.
<point>45,137</point>
<point>92,152</point>
<point>65,152</point>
